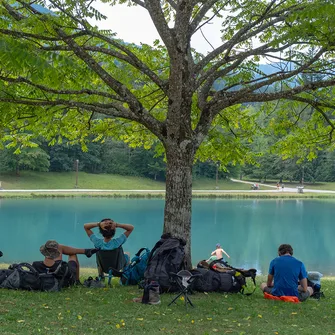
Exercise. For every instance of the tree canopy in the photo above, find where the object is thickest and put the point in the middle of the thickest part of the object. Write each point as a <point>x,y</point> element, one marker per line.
<point>60,76</point>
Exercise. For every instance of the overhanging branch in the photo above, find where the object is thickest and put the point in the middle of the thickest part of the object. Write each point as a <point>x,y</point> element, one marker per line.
<point>60,91</point>
<point>157,16</point>
<point>267,20</point>
<point>201,14</point>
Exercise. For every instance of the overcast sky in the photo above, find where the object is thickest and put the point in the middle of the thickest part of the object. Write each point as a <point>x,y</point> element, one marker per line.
<point>133,24</point>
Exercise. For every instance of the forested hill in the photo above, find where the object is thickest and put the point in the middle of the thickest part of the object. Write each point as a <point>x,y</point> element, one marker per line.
<point>117,158</point>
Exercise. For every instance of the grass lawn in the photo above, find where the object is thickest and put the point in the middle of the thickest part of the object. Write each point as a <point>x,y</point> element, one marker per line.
<point>81,310</point>
<point>66,180</point>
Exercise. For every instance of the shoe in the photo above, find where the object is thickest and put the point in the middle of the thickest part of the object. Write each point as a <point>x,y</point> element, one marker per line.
<point>90,252</point>
<point>88,281</point>
<point>97,283</point>
<point>154,297</point>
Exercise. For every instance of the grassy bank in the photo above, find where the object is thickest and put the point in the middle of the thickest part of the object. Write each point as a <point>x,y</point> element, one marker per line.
<point>29,180</point>
<point>111,310</point>
<point>161,195</point>
<point>122,186</point>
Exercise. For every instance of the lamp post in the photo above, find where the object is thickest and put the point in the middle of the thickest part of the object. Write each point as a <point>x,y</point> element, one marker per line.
<point>77,165</point>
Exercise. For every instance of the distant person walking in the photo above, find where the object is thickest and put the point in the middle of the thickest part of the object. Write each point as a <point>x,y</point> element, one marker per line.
<point>282,187</point>
<point>278,186</point>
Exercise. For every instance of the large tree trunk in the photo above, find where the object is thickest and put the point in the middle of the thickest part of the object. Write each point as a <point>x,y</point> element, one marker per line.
<point>178,202</point>
<point>179,144</point>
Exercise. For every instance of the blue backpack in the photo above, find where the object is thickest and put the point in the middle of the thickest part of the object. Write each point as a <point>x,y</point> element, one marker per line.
<point>133,273</point>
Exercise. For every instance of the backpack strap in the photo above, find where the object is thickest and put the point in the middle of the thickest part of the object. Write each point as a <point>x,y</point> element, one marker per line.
<point>157,245</point>
<point>66,271</point>
<point>140,251</point>
<point>21,266</point>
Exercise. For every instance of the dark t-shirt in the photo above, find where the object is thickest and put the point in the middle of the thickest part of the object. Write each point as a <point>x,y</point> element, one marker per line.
<point>70,277</point>
<point>42,268</point>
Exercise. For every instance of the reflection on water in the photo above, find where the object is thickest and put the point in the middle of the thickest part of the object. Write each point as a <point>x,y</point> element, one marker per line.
<point>249,230</point>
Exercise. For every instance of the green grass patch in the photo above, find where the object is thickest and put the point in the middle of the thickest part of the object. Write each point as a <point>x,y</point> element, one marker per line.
<point>67,180</point>
<point>30,180</point>
<point>81,310</point>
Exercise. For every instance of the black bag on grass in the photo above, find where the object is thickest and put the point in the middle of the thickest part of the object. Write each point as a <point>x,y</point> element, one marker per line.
<point>168,255</point>
<point>21,276</point>
<point>55,281</point>
<point>221,277</point>
<point>4,273</point>
<point>212,280</point>
<point>24,276</point>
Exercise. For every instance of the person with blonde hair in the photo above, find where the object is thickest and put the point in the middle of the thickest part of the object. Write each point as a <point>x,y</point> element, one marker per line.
<point>217,254</point>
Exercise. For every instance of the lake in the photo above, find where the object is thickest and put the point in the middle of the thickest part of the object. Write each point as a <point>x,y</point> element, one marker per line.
<point>249,230</point>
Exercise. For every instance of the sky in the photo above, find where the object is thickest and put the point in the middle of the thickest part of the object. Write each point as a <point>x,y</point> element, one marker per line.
<point>134,25</point>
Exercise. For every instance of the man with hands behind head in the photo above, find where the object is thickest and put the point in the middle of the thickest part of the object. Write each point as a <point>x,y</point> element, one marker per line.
<point>107,229</point>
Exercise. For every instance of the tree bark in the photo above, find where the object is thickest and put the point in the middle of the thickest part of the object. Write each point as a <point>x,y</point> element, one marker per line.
<point>178,202</point>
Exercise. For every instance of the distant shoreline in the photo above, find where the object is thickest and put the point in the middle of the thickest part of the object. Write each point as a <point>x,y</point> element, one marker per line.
<point>238,194</point>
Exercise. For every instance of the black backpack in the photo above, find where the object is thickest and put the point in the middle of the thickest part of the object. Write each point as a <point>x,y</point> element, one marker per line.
<point>167,256</point>
<point>228,279</point>
<point>24,276</point>
<point>20,276</point>
<point>55,281</point>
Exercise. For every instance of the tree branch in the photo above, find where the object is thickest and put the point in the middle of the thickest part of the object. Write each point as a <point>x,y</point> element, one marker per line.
<point>287,94</point>
<point>111,109</point>
<point>133,61</point>
<point>60,92</point>
<point>201,14</point>
<point>212,74</point>
<point>15,14</point>
<point>75,19</point>
<point>22,34</point>
<point>173,4</point>
<point>155,10</point>
<point>139,2</point>
<point>276,77</point>
<point>243,34</point>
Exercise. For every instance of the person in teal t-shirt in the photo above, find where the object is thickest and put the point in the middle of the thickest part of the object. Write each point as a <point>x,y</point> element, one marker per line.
<point>285,274</point>
<point>107,229</point>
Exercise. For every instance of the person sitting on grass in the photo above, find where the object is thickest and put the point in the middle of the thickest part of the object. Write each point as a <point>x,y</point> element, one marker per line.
<point>285,272</point>
<point>107,228</point>
<point>53,252</point>
<point>217,254</point>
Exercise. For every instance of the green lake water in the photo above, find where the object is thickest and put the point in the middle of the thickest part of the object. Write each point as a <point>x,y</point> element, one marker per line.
<point>249,230</point>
